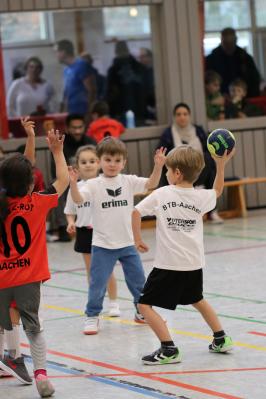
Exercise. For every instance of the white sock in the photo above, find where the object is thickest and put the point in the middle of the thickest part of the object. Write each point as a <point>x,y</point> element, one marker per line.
<point>2,344</point>
<point>13,342</point>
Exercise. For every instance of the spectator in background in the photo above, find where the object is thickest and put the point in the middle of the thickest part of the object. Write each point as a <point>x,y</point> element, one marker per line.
<point>75,137</point>
<point>125,85</point>
<point>237,105</point>
<point>39,184</point>
<point>2,154</point>
<point>79,80</point>
<point>213,96</point>
<point>183,131</point>
<point>232,62</point>
<point>100,79</point>
<point>30,94</point>
<point>102,125</point>
<point>146,59</point>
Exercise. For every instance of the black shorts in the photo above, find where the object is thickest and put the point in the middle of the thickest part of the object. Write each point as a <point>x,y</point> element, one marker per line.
<point>169,288</point>
<point>27,299</point>
<point>83,240</point>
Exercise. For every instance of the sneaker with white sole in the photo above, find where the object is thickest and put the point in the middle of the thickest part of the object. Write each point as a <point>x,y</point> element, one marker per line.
<point>91,325</point>
<point>162,356</point>
<point>139,318</point>
<point>44,386</point>
<point>114,310</point>
<point>16,368</point>
<point>225,346</point>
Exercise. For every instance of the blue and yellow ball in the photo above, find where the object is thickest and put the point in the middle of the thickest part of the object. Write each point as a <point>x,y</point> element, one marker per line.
<point>219,141</point>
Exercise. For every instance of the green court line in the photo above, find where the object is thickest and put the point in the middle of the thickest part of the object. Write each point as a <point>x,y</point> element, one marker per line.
<point>179,308</point>
<point>239,228</point>
<point>227,316</point>
<point>234,236</point>
<point>211,294</point>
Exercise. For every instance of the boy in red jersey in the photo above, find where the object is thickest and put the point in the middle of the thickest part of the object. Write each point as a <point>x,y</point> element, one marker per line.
<point>23,252</point>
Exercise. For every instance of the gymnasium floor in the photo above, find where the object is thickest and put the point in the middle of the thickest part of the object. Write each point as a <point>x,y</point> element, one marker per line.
<point>108,366</point>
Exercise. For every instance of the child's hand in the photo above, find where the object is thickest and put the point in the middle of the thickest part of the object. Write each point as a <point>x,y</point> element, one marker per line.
<point>225,158</point>
<point>141,246</point>
<point>71,228</point>
<point>55,141</point>
<point>73,174</point>
<point>159,157</point>
<point>28,126</point>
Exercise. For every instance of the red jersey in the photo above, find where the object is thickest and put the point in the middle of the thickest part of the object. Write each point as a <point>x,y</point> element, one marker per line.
<point>23,251</point>
<point>98,129</point>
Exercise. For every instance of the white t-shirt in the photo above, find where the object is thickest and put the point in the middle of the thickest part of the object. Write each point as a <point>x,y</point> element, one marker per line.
<point>179,229</point>
<point>112,203</point>
<point>24,99</point>
<point>83,211</point>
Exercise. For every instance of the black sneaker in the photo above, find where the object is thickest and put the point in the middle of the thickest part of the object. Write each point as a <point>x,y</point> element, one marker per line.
<point>17,368</point>
<point>168,356</point>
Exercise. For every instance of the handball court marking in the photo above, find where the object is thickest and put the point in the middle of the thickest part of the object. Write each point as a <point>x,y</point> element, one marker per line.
<point>150,376</point>
<point>173,330</point>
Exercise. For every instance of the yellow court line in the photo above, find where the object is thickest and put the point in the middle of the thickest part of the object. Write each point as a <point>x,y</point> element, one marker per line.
<point>173,330</point>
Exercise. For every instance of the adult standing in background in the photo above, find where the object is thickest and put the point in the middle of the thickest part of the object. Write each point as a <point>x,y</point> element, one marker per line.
<point>79,80</point>
<point>184,132</point>
<point>146,59</point>
<point>125,85</point>
<point>231,62</point>
<point>30,94</point>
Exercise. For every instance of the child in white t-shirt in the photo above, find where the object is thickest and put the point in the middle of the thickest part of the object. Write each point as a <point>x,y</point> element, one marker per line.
<point>79,218</point>
<point>111,196</point>
<point>179,258</point>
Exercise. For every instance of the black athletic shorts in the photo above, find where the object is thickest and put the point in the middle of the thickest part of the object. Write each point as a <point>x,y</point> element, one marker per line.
<point>83,240</point>
<point>169,288</point>
<point>27,299</point>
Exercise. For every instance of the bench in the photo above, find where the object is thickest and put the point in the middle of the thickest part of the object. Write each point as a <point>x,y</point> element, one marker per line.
<point>236,196</point>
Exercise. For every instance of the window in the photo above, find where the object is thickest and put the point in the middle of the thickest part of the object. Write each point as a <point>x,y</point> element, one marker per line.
<point>24,28</point>
<point>260,13</point>
<point>127,22</point>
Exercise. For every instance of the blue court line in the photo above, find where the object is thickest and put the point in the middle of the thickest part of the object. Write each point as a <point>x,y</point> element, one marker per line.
<point>119,384</point>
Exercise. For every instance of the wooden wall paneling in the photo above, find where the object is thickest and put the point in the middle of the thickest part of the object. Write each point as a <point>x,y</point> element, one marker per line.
<point>4,5</point>
<point>250,170</point>
<point>14,5</point>
<point>260,163</point>
<point>96,3</point>
<point>145,158</point>
<point>133,158</point>
<point>83,3</point>
<point>236,165</point>
<point>196,62</point>
<point>40,4</point>
<point>67,4</point>
<point>53,4</point>
<point>28,5</point>
<point>108,3</point>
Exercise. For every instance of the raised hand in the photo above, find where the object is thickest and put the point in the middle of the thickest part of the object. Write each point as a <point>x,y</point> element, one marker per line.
<point>159,157</point>
<point>55,141</point>
<point>73,174</point>
<point>28,126</point>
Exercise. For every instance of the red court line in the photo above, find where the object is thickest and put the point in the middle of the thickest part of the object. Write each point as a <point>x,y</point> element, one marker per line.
<point>142,375</point>
<point>257,333</point>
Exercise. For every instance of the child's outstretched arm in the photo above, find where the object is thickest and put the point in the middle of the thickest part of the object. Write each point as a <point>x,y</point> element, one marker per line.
<point>218,184</point>
<point>55,144</point>
<point>75,194</point>
<point>136,227</point>
<point>159,161</point>
<point>30,142</point>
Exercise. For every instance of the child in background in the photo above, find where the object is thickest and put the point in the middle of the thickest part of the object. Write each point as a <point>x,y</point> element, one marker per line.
<point>237,106</point>
<point>79,219</point>
<point>111,196</point>
<point>214,98</point>
<point>179,258</point>
<point>19,207</point>
<point>103,126</point>
<point>39,184</point>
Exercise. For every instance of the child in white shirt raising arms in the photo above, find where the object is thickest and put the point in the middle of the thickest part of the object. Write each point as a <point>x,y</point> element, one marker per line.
<point>111,196</point>
<point>179,258</point>
<point>79,218</point>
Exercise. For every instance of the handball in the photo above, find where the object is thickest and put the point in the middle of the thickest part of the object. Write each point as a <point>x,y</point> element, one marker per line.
<point>219,141</point>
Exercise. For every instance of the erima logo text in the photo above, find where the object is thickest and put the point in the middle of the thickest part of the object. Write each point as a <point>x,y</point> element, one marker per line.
<point>114,193</point>
<point>114,204</point>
